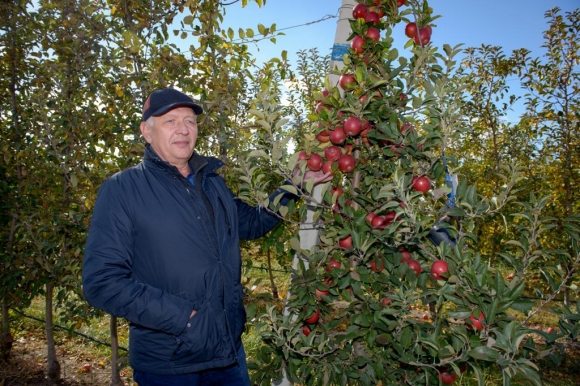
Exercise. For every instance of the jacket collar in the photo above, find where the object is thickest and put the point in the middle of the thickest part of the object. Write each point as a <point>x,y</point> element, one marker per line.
<point>197,163</point>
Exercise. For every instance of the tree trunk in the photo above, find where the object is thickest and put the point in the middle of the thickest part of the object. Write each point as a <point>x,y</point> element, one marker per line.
<point>272,283</point>
<point>115,376</point>
<point>6,338</point>
<point>53,367</point>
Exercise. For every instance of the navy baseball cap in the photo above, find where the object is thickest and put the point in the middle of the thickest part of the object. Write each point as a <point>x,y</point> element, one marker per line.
<point>161,101</point>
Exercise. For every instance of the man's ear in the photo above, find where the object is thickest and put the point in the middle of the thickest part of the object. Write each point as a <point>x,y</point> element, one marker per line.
<point>146,131</point>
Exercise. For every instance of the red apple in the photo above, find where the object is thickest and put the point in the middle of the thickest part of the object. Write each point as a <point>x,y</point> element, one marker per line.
<point>346,163</point>
<point>313,318</point>
<point>411,30</point>
<point>332,153</point>
<point>332,264</point>
<point>352,126</point>
<point>377,266</point>
<point>320,106</point>
<point>327,166</point>
<point>386,301</point>
<point>323,136</point>
<point>447,376</point>
<point>378,222</point>
<point>372,17</point>
<point>390,217</point>
<point>346,81</point>
<point>394,148</point>
<point>440,270</point>
<point>423,37</point>
<point>325,93</point>
<point>403,98</point>
<point>407,128</point>
<point>338,136</point>
<point>357,44</point>
<point>337,191</point>
<point>302,155</point>
<point>359,11</point>
<point>373,33</point>
<point>414,265</point>
<point>306,330</point>
<point>345,242</point>
<point>550,330</point>
<point>320,293</point>
<point>314,162</point>
<point>476,323</point>
<point>406,255</point>
<point>400,3</point>
<point>421,184</point>
<point>370,216</point>
<point>428,29</point>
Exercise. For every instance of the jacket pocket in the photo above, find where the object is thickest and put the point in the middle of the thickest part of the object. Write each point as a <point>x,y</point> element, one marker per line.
<point>201,341</point>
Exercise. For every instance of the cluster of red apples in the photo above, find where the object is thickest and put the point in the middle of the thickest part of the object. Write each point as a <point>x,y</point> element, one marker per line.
<point>421,34</point>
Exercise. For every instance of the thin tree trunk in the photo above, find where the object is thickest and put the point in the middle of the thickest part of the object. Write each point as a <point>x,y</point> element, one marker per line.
<point>115,376</point>
<point>53,367</point>
<point>6,338</point>
<point>272,283</point>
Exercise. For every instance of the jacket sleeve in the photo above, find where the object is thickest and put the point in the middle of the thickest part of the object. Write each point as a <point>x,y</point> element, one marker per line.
<point>108,282</point>
<point>255,222</point>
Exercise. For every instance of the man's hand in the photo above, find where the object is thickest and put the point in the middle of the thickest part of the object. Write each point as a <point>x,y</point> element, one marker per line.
<point>319,176</point>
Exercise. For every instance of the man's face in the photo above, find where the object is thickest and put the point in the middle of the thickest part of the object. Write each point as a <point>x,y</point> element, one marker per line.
<point>172,135</point>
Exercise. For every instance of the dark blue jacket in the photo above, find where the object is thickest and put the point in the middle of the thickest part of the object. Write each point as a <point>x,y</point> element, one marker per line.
<point>154,254</point>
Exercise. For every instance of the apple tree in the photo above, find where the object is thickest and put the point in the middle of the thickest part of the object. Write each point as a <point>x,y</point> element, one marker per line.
<point>396,291</point>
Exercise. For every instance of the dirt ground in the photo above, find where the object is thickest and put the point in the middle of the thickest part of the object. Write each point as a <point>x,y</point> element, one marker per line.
<point>27,366</point>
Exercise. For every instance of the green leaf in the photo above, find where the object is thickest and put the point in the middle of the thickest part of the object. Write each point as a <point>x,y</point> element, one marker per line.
<point>484,353</point>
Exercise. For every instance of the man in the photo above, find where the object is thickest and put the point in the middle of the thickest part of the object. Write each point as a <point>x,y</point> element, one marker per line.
<point>163,252</point>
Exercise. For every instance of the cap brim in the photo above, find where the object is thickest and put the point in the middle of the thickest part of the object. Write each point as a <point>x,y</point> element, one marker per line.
<point>197,109</point>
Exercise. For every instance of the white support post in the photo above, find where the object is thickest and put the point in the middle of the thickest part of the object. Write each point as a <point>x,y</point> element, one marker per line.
<point>308,232</point>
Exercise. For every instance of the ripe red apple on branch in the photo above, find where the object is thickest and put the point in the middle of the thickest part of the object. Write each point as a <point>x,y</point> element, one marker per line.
<point>332,153</point>
<point>373,33</point>
<point>377,265</point>
<point>320,293</point>
<point>406,255</point>
<point>347,81</point>
<point>327,166</point>
<point>372,17</point>
<point>440,270</point>
<point>421,184</point>
<point>411,30</point>
<point>414,265</point>
<point>323,136</point>
<point>476,323</point>
<point>337,136</point>
<point>345,242</point>
<point>332,265</point>
<point>352,126</point>
<point>357,44</point>
<point>423,37</point>
<point>314,163</point>
<point>346,163</point>
<point>306,330</point>
<point>378,222</point>
<point>447,376</point>
<point>359,11</point>
<point>314,317</point>
<point>386,301</point>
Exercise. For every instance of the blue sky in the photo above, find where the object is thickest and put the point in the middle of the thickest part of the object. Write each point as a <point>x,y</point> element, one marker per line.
<point>510,24</point>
